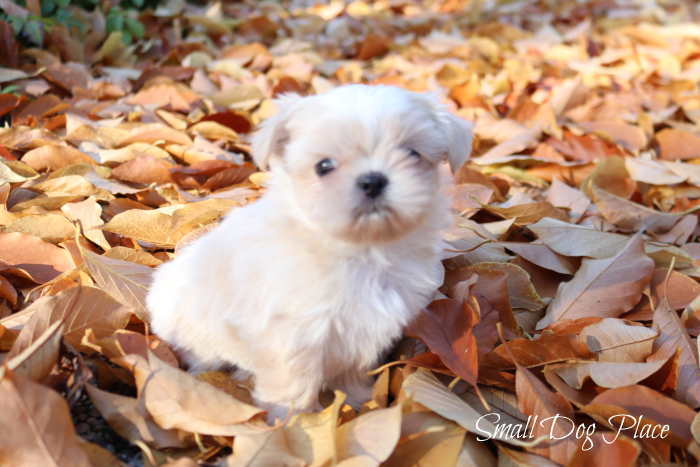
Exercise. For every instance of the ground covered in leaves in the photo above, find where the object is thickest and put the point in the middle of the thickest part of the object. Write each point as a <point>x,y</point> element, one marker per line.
<point>575,237</point>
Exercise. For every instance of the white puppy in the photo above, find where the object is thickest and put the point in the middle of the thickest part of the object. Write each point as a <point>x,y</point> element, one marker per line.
<point>308,286</point>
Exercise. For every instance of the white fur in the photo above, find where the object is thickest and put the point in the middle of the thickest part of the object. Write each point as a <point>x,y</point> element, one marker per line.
<point>298,288</point>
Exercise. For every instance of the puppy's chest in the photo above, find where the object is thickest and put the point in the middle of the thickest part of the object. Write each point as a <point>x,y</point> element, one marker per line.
<point>370,304</point>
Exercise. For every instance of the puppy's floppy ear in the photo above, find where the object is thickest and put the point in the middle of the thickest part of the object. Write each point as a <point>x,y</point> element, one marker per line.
<point>459,138</point>
<point>272,135</point>
<point>457,131</point>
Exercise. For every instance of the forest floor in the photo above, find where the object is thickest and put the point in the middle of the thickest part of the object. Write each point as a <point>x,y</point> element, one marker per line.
<point>576,229</point>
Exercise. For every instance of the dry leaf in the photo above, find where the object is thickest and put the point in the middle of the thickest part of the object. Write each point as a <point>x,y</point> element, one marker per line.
<point>673,337</point>
<point>127,282</point>
<point>54,157</point>
<point>42,432</point>
<point>42,261</point>
<point>446,328</point>
<point>603,287</point>
<point>128,418</point>
<point>176,399</point>
<point>79,308</point>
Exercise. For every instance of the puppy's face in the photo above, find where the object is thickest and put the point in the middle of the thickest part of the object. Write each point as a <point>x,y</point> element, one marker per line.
<point>361,162</point>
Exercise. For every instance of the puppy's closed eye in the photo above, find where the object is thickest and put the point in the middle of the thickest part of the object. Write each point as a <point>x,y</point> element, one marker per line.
<point>414,153</point>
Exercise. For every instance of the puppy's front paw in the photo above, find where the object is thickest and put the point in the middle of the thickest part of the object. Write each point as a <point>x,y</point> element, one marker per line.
<point>357,394</point>
<point>274,411</point>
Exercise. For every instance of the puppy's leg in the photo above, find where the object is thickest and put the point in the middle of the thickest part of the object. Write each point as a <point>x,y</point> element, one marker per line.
<point>357,385</point>
<point>283,391</point>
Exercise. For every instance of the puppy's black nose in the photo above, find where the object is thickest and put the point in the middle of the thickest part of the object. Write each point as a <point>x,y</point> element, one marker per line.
<point>372,183</point>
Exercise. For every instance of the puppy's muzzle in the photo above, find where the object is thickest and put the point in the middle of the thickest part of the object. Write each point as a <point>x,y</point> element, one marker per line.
<point>372,184</point>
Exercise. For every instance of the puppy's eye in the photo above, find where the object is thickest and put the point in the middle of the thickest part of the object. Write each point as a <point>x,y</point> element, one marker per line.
<point>414,153</point>
<point>324,166</point>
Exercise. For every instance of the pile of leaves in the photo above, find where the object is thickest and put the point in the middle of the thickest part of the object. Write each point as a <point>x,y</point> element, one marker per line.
<point>571,286</point>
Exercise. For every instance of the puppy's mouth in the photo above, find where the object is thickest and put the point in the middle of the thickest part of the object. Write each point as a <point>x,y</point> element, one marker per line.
<point>372,209</point>
<point>376,221</point>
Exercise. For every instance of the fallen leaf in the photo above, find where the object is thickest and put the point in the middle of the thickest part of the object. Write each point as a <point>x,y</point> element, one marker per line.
<point>446,328</point>
<point>127,417</point>
<point>166,226</point>
<point>36,349</point>
<point>603,287</point>
<point>542,256</point>
<point>635,401</point>
<point>677,144</point>
<point>263,449</point>
<point>577,240</point>
<point>674,338</point>
<point>144,169</point>
<point>79,308</point>
<point>176,399</point>
<point>54,157</point>
<point>41,260</point>
<point>534,398</point>
<point>520,289</point>
<point>42,432</point>
<point>372,436</point>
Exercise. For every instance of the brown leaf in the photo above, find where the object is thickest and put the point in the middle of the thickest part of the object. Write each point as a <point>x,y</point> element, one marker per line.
<point>446,328</point>
<point>562,195</point>
<point>89,214</point>
<point>373,46</point>
<point>427,439</point>
<point>125,281</point>
<point>623,452</point>
<point>232,119</point>
<point>542,256</point>
<point>680,291</point>
<point>9,50</point>
<point>41,260</point>
<point>534,398</point>
<point>520,289</point>
<point>129,419</point>
<point>616,341</point>
<point>166,226</point>
<point>36,349</point>
<point>124,342</point>
<point>630,137</point>
<point>654,407</point>
<point>53,228</point>
<point>673,337</point>
<point>54,157</point>
<point>175,399</point>
<point>491,293</point>
<point>42,432</point>
<point>153,132</point>
<point>169,95</point>
<point>629,216</point>
<point>577,240</point>
<point>547,348</point>
<point>260,450</point>
<point>423,387</point>
<point>80,308</point>
<point>312,436</point>
<point>229,177</point>
<point>583,148</point>
<point>677,144</point>
<point>371,436</point>
<point>144,169</point>
<point>603,287</point>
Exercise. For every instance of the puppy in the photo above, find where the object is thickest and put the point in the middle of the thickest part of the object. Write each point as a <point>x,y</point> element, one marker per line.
<point>309,285</point>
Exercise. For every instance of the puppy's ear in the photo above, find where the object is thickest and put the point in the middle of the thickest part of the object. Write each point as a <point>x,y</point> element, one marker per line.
<point>457,131</point>
<point>459,138</point>
<point>272,135</point>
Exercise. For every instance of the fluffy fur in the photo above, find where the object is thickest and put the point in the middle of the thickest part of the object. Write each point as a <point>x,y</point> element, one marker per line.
<point>307,287</point>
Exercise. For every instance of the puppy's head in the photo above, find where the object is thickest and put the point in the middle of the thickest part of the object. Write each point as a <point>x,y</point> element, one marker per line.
<point>361,162</point>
